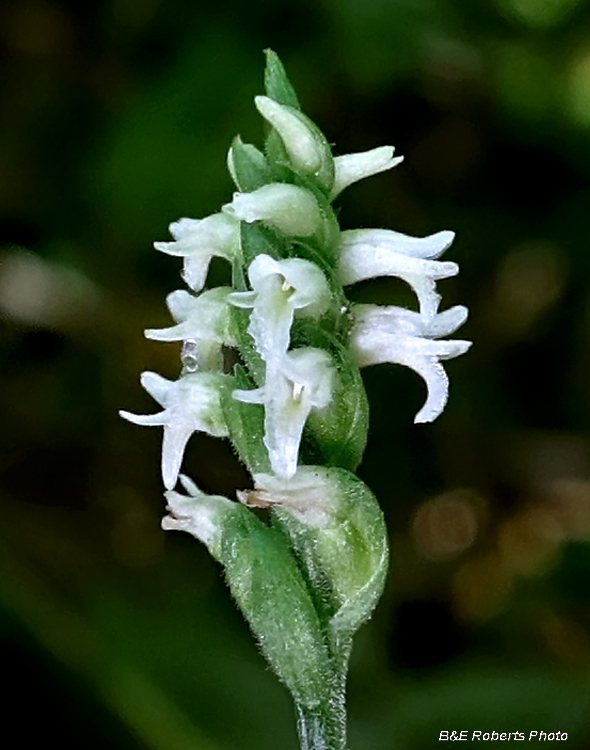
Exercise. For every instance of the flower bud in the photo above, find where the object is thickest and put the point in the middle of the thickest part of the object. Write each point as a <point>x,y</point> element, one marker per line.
<point>291,209</point>
<point>306,145</point>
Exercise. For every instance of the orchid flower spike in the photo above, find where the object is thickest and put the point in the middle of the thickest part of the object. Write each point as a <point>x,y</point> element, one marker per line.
<point>394,334</point>
<point>199,240</point>
<point>369,253</point>
<point>191,404</point>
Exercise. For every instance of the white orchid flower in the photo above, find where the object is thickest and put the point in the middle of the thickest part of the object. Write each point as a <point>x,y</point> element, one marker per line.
<point>191,404</point>
<point>351,168</point>
<point>393,334</point>
<point>203,322</point>
<point>282,288</point>
<point>291,209</point>
<point>299,382</point>
<point>199,240</point>
<point>369,253</point>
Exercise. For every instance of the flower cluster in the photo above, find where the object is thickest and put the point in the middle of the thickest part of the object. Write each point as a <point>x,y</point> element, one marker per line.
<point>298,340</point>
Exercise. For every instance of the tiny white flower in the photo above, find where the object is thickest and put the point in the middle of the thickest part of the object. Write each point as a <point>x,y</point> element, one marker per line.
<point>282,288</point>
<point>369,253</point>
<point>299,382</point>
<point>204,320</point>
<point>291,209</point>
<point>351,168</point>
<point>191,404</point>
<point>393,334</point>
<point>199,240</point>
<point>304,142</point>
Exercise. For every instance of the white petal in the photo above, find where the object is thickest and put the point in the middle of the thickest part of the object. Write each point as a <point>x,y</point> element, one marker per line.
<point>360,261</point>
<point>447,322</point>
<point>431,246</point>
<point>180,303</point>
<point>158,387</point>
<point>350,168</point>
<point>255,396</point>
<point>146,420</point>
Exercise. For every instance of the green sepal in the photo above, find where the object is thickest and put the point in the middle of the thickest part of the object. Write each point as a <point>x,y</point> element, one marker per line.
<point>344,552</point>
<point>277,84</point>
<point>337,434</point>
<point>269,589</point>
<point>245,422</point>
<point>258,239</point>
<point>248,166</point>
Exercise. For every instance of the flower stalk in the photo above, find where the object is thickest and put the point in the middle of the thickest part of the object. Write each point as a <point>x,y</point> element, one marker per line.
<point>294,406</point>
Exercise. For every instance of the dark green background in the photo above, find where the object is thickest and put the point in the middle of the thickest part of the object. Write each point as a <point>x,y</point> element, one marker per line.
<point>116,119</point>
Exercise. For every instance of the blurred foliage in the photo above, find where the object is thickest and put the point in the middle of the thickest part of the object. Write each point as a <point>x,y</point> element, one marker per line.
<point>116,120</point>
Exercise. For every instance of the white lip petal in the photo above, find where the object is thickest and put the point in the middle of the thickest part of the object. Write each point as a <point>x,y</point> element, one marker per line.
<point>173,447</point>
<point>437,384</point>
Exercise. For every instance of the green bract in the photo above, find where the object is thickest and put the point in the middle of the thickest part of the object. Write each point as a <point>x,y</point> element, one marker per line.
<point>294,406</point>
